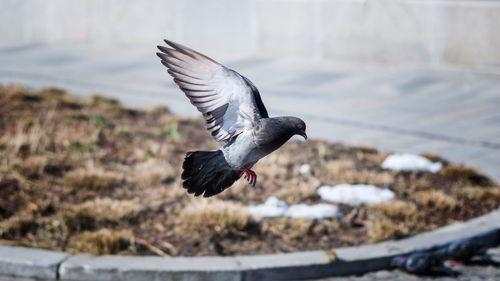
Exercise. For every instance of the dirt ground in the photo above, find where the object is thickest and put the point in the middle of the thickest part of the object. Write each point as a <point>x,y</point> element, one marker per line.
<point>92,176</point>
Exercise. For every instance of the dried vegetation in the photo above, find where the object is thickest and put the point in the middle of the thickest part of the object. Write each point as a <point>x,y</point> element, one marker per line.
<point>93,176</point>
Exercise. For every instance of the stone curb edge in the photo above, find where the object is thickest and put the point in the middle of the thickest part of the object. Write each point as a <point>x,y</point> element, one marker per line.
<point>51,265</point>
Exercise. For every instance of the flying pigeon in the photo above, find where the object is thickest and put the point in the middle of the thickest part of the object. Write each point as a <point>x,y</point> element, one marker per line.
<point>234,114</point>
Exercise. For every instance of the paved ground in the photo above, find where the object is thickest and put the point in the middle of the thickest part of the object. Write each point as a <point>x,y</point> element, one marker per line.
<point>469,273</point>
<point>450,111</point>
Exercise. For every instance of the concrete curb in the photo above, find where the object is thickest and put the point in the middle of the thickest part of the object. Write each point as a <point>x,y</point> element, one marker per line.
<point>49,265</point>
<point>26,262</point>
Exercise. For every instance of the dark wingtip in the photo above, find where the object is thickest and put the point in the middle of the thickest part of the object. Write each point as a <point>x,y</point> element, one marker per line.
<point>173,44</point>
<point>163,49</point>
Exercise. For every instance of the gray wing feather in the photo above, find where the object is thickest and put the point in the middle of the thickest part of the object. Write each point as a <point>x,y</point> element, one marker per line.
<point>222,95</point>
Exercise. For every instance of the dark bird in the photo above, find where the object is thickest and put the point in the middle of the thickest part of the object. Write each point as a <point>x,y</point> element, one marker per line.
<point>234,114</point>
<point>423,263</point>
<point>435,261</point>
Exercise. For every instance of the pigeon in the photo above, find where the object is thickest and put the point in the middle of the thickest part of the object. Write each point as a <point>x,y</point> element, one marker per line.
<point>234,115</point>
<point>423,264</point>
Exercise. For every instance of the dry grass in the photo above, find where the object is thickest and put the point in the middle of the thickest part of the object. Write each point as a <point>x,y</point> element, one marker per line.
<point>154,172</point>
<point>81,219</point>
<point>434,157</point>
<point>203,217</point>
<point>392,220</point>
<point>384,229</point>
<point>290,229</point>
<point>397,210</point>
<point>95,179</point>
<point>25,222</point>
<point>110,209</point>
<point>11,199</point>
<point>299,190</point>
<point>96,213</point>
<point>84,175</point>
<point>8,227</point>
<point>366,177</point>
<point>435,199</point>
<point>462,175</point>
<point>345,171</point>
<point>30,137</point>
<point>480,193</point>
<point>102,242</point>
<point>98,100</point>
<point>31,168</point>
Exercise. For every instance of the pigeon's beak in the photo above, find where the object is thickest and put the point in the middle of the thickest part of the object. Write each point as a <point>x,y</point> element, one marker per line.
<point>304,135</point>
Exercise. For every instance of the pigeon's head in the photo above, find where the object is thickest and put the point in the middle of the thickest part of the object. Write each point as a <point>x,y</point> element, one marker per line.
<point>297,126</point>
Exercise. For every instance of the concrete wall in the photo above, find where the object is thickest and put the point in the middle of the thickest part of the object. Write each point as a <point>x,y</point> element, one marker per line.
<point>388,31</point>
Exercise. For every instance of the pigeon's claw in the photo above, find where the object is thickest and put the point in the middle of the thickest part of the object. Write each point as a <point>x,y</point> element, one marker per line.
<point>249,175</point>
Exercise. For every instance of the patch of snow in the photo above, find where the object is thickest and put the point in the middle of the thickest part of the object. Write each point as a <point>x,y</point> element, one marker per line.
<point>410,162</point>
<point>304,169</point>
<point>273,207</point>
<point>317,211</point>
<point>355,194</point>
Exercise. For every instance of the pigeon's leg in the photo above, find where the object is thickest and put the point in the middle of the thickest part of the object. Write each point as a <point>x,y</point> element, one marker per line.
<point>249,175</point>
<point>245,174</point>
<point>254,175</point>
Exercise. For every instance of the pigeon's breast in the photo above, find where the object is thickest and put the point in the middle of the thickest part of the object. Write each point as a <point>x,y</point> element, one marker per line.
<point>243,152</point>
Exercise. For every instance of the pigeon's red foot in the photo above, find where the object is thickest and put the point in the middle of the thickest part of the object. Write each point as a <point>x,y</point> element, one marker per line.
<point>454,262</point>
<point>249,175</point>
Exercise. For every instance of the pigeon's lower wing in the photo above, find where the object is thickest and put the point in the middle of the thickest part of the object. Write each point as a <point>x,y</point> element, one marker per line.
<point>225,98</point>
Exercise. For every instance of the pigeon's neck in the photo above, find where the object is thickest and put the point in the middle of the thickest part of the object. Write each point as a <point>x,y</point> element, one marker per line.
<point>272,133</point>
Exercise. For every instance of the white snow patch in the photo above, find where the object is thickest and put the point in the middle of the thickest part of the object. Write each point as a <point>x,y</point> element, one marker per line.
<point>317,211</point>
<point>355,194</point>
<point>273,207</point>
<point>304,169</point>
<point>410,162</point>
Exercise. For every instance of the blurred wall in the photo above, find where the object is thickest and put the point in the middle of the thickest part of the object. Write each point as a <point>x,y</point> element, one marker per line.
<point>388,31</point>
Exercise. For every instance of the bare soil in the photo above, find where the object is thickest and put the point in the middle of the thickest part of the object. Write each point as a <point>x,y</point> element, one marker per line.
<point>93,176</point>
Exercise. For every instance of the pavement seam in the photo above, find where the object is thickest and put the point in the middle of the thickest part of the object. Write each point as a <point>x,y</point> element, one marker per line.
<point>58,266</point>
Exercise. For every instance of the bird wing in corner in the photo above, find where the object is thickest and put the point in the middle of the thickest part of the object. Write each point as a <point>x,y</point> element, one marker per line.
<point>229,102</point>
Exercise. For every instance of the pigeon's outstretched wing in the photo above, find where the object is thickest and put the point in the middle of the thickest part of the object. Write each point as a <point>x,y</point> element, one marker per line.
<point>229,102</point>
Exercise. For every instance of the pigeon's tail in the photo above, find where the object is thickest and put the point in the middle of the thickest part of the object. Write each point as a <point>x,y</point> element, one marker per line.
<point>207,173</point>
